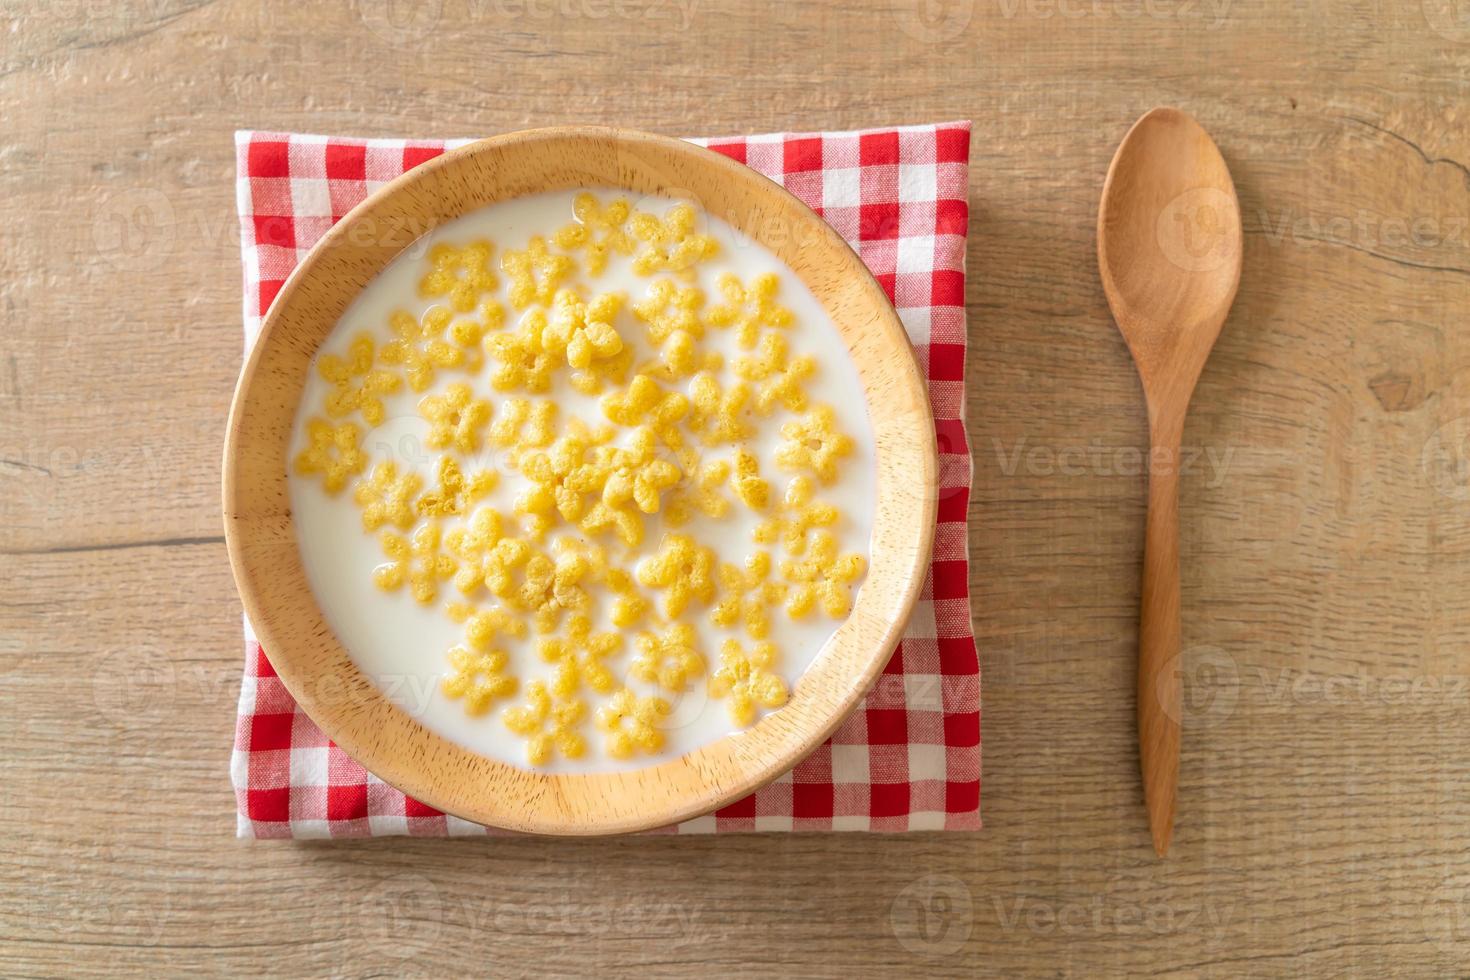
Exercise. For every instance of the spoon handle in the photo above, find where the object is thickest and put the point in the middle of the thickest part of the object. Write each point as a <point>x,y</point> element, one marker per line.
<point>1160,697</point>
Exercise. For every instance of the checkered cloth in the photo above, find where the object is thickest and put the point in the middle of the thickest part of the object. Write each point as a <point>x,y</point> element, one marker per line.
<point>909,756</point>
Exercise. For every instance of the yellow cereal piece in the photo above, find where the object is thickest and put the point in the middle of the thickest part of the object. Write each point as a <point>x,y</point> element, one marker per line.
<point>644,403</point>
<point>797,515</point>
<point>386,497</point>
<point>564,475</point>
<point>719,415</point>
<point>813,442</point>
<point>631,723</point>
<point>456,418</point>
<point>636,473</point>
<point>824,577</point>
<point>702,495</point>
<point>551,586</point>
<point>477,667</point>
<point>459,275</point>
<point>749,309</point>
<point>780,376</point>
<point>670,243</point>
<point>748,680</point>
<point>683,570</point>
<point>472,545</point>
<point>597,231</point>
<point>753,491</point>
<point>357,386</point>
<point>679,357</point>
<point>454,492</point>
<point>332,451</point>
<point>579,658</point>
<point>582,332</point>
<point>668,308</point>
<point>419,562</point>
<point>522,362</point>
<point>535,273</point>
<point>746,594</point>
<point>625,521</point>
<point>669,659</point>
<point>630,606</point>
<point>420,347</point>
<point>548,725</point>
<point>523,424</point>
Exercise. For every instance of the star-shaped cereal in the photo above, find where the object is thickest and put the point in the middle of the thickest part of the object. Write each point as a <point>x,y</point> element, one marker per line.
<point>357,386</point>
<point>454,492</point>
<point>746,594</point>
<point>824,577</point>
<point>597,232</point>
<point>563,475</point>
<point>522,362</point>
<point>477,666</point>
<point>719,415</point>
<point>669,659</point>
<point>332,452</point>
<point>535,273</point>
<point>548,725</point>
<point>551,586</point>
<point>644,403</point>
<point>797,515</point>
<point>419,562</point>
<point>779,376</point>
<point>670,243</point>
<point>749,309</point>
<point>632,723</point>
<point>637,474</point>
<point>456,418</point>
<point>701,494</point>
<point>459,275</point>
<point>420,347</point>
<point>386,497</point>
<point>813,443</point>
<point>584,334</point>
<point>668,308</point>
<point>748,680</point>
<point>683,570</point>
<point>579,657</point>
<point>523,425</point>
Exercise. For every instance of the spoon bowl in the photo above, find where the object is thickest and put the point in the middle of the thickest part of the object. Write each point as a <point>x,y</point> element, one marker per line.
<point>1169,253</point>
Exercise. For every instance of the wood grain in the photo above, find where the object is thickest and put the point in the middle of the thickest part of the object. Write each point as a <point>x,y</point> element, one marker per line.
<point>1323,822</point>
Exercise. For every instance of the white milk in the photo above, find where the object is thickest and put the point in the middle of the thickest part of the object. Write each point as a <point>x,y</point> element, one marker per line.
<point>401,645</point>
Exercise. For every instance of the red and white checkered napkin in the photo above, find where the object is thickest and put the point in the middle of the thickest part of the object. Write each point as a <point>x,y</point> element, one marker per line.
<point>909,757</point>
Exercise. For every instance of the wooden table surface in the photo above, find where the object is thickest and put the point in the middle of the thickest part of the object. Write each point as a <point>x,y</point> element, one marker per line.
<point>1323,818</point>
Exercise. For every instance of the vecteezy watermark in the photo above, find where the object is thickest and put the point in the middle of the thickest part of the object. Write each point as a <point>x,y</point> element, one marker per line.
<point>406,914</point>
<point>1210,682</point>
<point>134,229</point>
<point>933,915</point>
<point>1095,459</point>
<point>1104,915</point>
<point>410,21</point>
<point>932,21</point>
<point>1450,19</point>
<point>1199,230</point>
<point>1445,459</point>
<point>402,916</point>
<point>1208,13</point>
<point>1364,229</point>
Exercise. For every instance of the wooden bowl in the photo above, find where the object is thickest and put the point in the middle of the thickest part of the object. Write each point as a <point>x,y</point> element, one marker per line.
<point>262,540</point>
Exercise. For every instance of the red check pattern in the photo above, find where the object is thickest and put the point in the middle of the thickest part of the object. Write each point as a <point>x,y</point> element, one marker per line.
<point>909,757</point>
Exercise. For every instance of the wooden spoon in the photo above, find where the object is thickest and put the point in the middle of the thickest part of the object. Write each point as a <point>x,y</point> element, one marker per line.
<point>1168,249</point>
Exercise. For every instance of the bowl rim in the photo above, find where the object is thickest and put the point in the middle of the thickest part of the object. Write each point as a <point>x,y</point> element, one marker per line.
<point>384,738</point>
